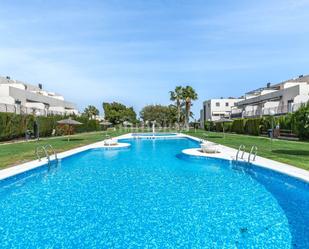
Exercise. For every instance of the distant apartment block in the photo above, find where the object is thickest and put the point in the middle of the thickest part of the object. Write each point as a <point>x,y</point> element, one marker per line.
<point>215,109</point>
<point>22,98</point>
<point>274,99</point>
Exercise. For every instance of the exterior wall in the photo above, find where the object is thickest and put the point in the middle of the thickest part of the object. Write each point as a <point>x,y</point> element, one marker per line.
<point>5,95</point>
<point>26,96</point>
<point>35,105</point>
<point>4,91</point>
<point>280,98</point>
<point>202,121</point>
<point>15,95</point>
<point>287,99</point>
<point>216,109</point>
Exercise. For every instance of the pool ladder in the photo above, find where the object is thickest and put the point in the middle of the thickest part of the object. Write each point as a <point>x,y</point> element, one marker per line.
<point>240,149</point>
<point>253,152</point>
<point>44,149</point>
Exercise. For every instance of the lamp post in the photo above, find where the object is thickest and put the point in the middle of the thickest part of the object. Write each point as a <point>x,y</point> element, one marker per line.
<point>272,113</point>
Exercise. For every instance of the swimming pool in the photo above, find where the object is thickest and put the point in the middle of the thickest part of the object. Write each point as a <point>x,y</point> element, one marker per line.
<point>160,134</point>
<point>151,195</point>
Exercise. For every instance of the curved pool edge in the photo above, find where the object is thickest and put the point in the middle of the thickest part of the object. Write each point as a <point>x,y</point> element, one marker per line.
<point>228,153</point>
<point>31,165</point>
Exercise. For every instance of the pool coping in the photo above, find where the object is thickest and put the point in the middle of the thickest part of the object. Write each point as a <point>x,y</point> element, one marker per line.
<point>19,169</point>
<point>226,153</point>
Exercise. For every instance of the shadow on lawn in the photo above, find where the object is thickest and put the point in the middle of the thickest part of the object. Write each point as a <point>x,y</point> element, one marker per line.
<point>293,152</point>
<point>214,137</point>
<point>73,139</point>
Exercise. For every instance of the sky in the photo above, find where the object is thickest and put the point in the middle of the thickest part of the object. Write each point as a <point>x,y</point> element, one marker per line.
<point>136,51</point>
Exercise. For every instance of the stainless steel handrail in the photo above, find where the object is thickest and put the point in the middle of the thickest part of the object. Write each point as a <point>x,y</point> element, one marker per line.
<point>44,148</point>
<point>241,149</point>
<point>254,150</point>
<point>39,149</point>
<point>52,148</point>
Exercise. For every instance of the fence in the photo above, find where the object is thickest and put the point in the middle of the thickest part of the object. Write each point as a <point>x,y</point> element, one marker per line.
<point>18,109</point>
<point>280,110</point>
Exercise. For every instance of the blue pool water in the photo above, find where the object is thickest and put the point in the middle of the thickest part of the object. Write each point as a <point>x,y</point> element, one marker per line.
<point>152,196</point>
<point>153,134</point>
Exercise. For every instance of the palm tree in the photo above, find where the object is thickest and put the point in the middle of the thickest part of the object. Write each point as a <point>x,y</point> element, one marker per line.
<point>188,94</point>
<point>91,111</point>
<point>177,96</point>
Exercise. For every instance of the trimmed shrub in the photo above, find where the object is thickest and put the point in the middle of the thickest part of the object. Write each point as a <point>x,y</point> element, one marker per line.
<point>227,127</point>
<point>252,126</point>
<point>238,126</point>
<point>265,124</point>
<point>301,121</point>
<point>219,127</point>
<point>14,125</point>
<point>88,125</point>
<point>210,126</point>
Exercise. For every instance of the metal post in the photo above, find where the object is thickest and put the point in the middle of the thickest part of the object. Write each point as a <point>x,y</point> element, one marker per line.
<point>272,133</point>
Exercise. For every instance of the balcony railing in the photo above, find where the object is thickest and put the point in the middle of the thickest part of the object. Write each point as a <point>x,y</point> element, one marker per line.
<point>17,109</point>
<point>280,110</point>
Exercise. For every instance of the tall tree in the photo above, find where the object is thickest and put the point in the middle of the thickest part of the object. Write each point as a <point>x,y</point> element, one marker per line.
<point>91,111</point>
<point>117,113</point>
<point>177,97</point>
<point>189,95</point>
<point>163,115</point>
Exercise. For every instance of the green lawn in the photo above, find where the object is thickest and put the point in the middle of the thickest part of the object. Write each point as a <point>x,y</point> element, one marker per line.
<point>291,152</point>
<point>17,153</point>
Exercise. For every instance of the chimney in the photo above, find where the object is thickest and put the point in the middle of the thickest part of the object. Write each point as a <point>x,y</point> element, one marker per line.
<point>268,85</point>
<point>40,86</point>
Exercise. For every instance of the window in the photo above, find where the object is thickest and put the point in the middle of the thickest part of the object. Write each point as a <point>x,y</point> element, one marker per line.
<point>217,103</point>
<point>227,104</point>
<point>290,105</point>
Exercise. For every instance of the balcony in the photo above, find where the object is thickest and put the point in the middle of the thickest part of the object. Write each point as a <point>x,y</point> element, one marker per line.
<point>280,110</point>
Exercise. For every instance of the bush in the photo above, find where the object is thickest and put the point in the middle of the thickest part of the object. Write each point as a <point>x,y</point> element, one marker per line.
<point>14,125</point>
<point>228,127</point>
<point>87,125</point>
<point>219,127</point>
<point>265,124</point>
<point>301,121</point>
<point>210,126</point>
<point>252,126</point>
<point>238,126</point>
<point>298,122</point>
<point>47,125</point>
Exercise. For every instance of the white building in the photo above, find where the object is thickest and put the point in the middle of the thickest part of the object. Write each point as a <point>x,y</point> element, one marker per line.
<point>278,99</point>
<point>215,109</point>
<point>19,97</point>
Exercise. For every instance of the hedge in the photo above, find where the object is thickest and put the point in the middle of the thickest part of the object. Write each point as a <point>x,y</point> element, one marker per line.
<point>14,125</point>
<point>297,122</point>
<point>301,121</point>
<point>238,126</point>
<point>252,126</point>
<point>209,126</point>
